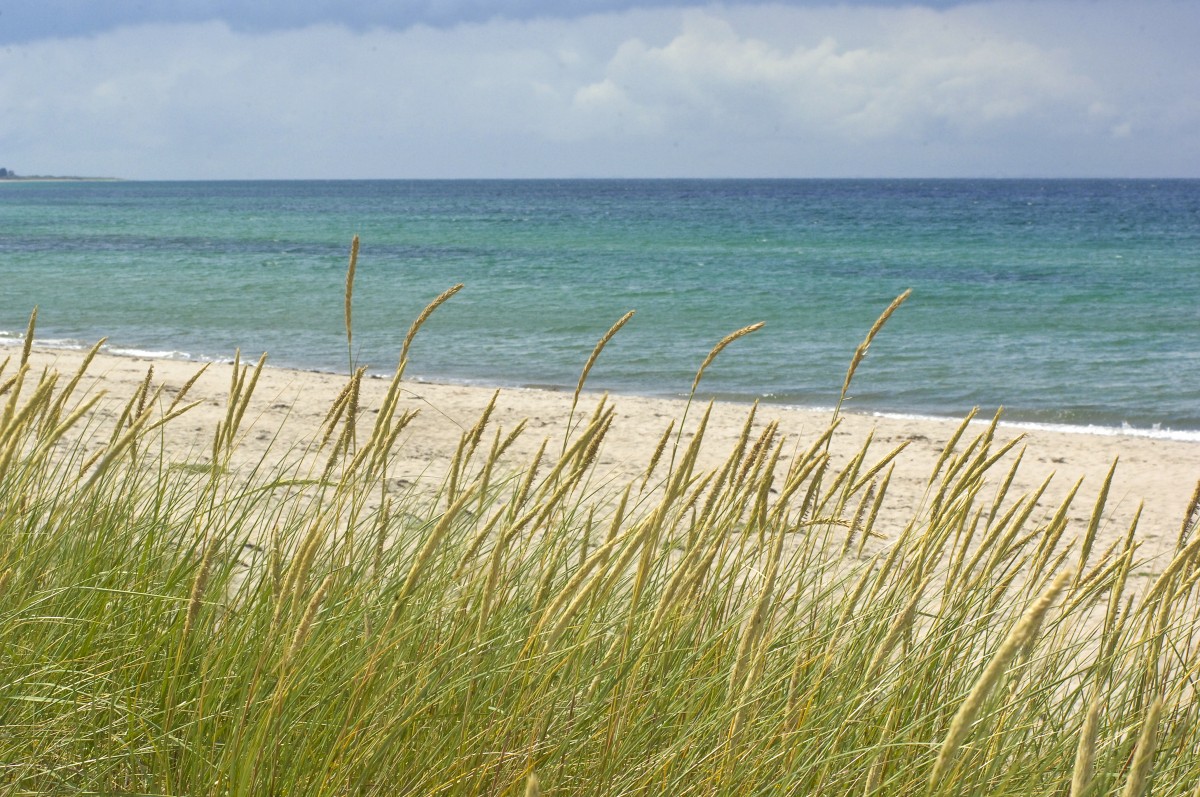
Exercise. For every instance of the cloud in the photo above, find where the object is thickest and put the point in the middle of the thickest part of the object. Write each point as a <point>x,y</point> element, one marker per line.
<point>921,77</point>
<point>29,20</point>
<point>758,90</point>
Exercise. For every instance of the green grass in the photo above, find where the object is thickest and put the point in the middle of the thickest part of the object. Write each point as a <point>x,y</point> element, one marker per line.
<point>302,630</point>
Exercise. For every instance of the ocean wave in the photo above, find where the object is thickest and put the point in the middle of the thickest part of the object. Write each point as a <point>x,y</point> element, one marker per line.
<point>152,354</point>
<point>1154,432</point>
<point>16,340</point>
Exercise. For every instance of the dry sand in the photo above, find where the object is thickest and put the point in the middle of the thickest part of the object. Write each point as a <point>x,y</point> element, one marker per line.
<point>289,406</point>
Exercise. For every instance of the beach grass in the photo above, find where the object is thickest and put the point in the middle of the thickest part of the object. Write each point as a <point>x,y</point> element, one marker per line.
<point>306,627</point>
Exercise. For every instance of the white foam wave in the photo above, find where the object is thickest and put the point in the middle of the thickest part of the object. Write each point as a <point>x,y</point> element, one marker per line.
<point>15,340</point>
<point>152,354</point>
<point>12,340</point>
<point>1155,432</point>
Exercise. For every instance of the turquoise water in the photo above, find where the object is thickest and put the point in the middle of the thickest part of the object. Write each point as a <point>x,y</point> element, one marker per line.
<point>1067,302</point>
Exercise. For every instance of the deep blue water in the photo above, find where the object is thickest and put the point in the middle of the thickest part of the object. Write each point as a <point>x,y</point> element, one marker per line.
<point>1067,302</point>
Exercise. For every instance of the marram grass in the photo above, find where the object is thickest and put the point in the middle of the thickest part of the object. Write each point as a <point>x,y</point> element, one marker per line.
<point>302,630</point>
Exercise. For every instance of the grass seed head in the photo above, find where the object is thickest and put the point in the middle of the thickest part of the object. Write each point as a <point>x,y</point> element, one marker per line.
<point>1085,753</point>
<point>1143,758</point>
<point>350,291</point>
<point>1021,635</point>
<point>721,344</point>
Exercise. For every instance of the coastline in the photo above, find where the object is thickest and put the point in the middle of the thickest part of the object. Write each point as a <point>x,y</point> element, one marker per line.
<point>12,340</point>
<point>289,407</point>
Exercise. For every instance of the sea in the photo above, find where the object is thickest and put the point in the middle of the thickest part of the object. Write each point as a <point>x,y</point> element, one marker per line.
<point>1072,304</point>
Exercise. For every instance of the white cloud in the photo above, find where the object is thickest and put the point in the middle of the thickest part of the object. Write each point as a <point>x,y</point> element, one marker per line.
<point>758,90</point>
<point>605,109</point>
<point>1122,130</point>
<point>901,84</point>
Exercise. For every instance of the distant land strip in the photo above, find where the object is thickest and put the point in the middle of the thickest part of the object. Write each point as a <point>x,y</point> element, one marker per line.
<point>45,178</point>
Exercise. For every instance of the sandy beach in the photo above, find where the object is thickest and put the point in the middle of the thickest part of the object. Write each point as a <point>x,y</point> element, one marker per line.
<point>547,611</point>
<point>289,406</point>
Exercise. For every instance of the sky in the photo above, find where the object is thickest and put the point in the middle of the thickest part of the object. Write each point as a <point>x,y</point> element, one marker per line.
<point>324,89</point>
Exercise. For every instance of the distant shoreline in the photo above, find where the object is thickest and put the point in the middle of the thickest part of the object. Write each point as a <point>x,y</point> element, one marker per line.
<point>50,179</point>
